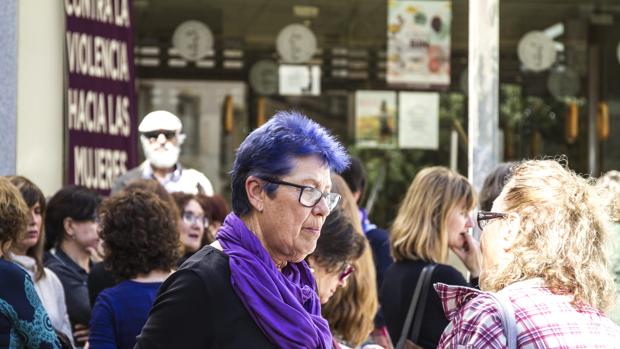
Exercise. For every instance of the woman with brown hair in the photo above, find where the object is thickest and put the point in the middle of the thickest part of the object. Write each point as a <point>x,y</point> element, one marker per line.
<point>351,310</point>
<point>433,218</point>
<point>192,225</point>
<point>140,241</point>
<point>28,253</point>
<point>23,320</point>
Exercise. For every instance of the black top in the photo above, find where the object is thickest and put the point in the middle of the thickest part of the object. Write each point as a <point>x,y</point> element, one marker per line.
<point>395,296</point>
<point>197,308</point>
<point>74,280</point>
<point>98,280</point>
<point>379,240</point>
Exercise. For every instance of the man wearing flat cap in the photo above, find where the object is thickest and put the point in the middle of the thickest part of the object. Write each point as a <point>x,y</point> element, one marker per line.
<point>161,137</point>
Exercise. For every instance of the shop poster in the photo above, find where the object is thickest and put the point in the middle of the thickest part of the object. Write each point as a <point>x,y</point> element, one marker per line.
<point>419,42</point>
<point>418,120</point>
<point>375,119</point>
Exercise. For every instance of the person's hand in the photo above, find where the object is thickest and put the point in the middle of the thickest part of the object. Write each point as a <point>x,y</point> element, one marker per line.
<point>96,253</point>
<point>469,254</point>
<point>80,333</point>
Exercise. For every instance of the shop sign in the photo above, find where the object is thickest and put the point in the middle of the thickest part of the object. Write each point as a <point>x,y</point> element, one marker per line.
<point>536,51</point>
<point>418,120</point>
<point>418,40</point>
<point>193,40</point>
<point>299,80</point>
<point>375,119</point>
<point>296,43</point>
<point>100,114</point>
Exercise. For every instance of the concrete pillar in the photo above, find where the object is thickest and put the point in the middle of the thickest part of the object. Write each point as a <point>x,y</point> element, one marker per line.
<point>483,84</point>
<point>8,87</point>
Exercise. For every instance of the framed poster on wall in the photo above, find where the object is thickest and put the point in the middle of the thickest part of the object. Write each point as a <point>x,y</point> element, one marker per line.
<point>418,41</point>
<point>375,119</point>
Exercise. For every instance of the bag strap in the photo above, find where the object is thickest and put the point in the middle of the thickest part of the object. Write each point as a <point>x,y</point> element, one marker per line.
<point>423,279</point>
<point>507,315</point>
<point>419,315</point>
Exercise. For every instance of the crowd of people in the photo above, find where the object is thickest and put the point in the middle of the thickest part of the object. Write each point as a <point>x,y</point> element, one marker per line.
<point>295,262</point>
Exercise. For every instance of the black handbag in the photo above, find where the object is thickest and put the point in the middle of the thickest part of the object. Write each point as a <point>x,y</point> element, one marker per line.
<point>413,321</point>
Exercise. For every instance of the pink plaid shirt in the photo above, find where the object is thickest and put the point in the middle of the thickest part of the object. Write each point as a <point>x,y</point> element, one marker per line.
<point>544,320</point>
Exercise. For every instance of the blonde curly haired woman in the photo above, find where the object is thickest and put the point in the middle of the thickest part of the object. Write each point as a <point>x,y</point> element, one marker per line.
<point>543,249</point>
<point>433,218</point>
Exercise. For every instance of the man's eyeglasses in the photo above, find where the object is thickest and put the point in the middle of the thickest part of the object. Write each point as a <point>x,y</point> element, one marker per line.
<point>484,217</point>
<point>190,218</point>
<point>346,272</point>
<point>155,134</point>
<point>309,196</point>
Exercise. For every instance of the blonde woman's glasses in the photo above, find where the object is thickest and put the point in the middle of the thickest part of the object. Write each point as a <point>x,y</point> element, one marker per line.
<point>484,217</point>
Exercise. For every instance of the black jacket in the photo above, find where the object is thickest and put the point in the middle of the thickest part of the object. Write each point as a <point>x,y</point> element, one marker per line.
<point>399,282</point>
<point>196,307</point>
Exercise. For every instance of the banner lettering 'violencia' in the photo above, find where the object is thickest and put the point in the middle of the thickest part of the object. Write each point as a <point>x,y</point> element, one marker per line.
<point>100,111</point>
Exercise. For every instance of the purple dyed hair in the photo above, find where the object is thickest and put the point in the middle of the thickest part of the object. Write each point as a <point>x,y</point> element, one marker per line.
<point>270,150</point>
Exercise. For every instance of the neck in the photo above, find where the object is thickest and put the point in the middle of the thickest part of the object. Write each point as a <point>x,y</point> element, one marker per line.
<point>161,173</point>
<point>80,256</point>
<point>18,251</point>
<point>157,275</point>
<point>251,222</point>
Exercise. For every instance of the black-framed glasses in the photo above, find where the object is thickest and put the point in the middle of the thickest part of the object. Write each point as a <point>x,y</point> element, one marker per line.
<point>191,218</point>
<point>346,272</point>
<point>155,134</point>
<point>484,217</point>
<point>309,196</point>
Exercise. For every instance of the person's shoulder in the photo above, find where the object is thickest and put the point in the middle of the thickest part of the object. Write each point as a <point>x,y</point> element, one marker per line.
<point>52,278</point>
<point>448,275</point>
<point>199,178</point>
<point>123,180</point>
<point>209,264</point>
<point>378,233</point>
<point>11,272</point>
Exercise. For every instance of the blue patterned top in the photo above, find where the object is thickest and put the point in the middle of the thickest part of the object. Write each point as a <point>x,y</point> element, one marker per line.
<point>23,320</point>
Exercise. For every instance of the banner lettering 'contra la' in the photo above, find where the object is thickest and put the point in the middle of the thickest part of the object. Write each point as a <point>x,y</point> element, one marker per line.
<point>100,114</point>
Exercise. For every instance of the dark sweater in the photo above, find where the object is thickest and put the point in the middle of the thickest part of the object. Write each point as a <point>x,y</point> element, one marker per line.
<point>398,285</point>
<point>196,307</point>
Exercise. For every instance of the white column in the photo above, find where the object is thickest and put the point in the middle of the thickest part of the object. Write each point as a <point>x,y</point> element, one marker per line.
<point>40,94</point>
<point>483,83</point>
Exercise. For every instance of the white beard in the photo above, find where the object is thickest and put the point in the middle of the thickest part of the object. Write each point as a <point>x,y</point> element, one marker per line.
<point>166,158</point>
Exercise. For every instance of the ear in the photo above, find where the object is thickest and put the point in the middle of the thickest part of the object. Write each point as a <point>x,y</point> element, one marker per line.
<point>254,191</point>
<point>357,195</point>
<point>511,232</point>
<point>68,225</point>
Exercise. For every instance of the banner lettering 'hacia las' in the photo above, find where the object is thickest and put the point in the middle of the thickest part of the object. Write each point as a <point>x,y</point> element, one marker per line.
<point>100,114</point>
<point>419,42</point>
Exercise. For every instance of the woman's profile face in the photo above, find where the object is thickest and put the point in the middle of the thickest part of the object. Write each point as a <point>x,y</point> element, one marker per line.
<point>327,282</point>
<point>290,230</point>
<point>458,223</point>
<point>192,226</point>
<point>491,245</point>
<point>86,234</point>
<point>33,232</point>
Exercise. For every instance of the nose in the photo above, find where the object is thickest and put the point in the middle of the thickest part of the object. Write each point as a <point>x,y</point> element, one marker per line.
<point>321,208</point>
<point>161,138</point>
<point>470,222</point>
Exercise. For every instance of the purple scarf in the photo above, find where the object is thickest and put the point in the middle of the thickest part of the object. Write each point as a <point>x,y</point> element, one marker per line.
<point>284,304</point>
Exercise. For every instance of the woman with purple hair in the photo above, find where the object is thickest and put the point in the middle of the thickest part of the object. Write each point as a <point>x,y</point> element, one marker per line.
<point>251,288</point>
